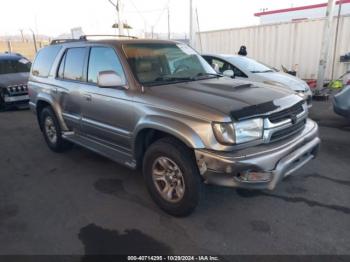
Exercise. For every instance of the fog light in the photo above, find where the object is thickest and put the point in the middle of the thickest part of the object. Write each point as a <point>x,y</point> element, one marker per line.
<point>250,176</point>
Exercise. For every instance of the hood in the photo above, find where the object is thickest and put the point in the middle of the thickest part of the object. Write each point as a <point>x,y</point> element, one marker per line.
<point>212,98</point>
<point>13,79</point>
<point>287,80</point>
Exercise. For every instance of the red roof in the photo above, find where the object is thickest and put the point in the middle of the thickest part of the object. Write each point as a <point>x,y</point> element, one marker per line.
<point>297,8</point>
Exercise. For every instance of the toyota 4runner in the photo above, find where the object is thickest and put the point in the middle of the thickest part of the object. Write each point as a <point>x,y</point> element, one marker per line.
<point>159,105</point>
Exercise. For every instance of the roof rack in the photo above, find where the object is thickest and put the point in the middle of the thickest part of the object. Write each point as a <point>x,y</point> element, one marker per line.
<point>62,41</point>
<point>85,37</point>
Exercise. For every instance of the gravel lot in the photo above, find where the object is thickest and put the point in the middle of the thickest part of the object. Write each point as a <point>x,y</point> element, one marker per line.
<point>81,203</point>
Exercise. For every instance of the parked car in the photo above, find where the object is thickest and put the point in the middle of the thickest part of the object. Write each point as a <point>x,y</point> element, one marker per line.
<point>159,105</point>
<point>341,102</point>
<point>14,74</point>
<point>242,67</point>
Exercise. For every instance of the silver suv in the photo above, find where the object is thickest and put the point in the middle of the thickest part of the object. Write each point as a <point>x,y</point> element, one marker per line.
<point>159,105</point>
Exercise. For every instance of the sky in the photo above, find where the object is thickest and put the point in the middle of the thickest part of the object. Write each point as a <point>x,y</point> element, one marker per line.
<point>56,17</point>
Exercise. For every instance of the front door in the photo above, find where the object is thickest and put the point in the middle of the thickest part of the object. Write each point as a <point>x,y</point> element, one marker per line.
<point>107,113</point>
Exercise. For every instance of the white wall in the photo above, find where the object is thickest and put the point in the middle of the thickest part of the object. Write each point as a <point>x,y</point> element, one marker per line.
<point>296,44</point>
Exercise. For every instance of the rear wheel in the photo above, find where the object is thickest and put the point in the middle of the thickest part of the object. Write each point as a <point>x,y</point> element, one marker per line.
<point>172,176</point>
<point>52,131</point>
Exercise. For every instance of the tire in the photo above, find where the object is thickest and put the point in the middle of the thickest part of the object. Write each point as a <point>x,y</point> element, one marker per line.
<point>52,131</point>
<point>2,101</point>
<point>184,178</point>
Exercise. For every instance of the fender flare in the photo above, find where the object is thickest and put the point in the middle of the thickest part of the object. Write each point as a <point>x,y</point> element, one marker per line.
<point>55,107</point>
<point>171,126</point>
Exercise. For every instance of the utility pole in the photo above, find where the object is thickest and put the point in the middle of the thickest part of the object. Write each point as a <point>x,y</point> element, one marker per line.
<point>120,23</point>
<point>168,21</point>
<point>336,37</point>
<point>34,40</point>
<point>22,36</point>
<point>199,32</point>
<point>191,24</point>
<point>325,45</point>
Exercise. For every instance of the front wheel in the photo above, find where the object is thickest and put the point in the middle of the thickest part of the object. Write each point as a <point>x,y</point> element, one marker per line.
<point>172,176</point>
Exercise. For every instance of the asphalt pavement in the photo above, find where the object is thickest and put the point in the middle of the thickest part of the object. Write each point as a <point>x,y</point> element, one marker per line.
<point>81,203</point>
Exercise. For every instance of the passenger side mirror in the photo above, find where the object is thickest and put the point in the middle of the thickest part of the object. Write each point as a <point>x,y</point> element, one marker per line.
<point>229,73</point>
<point>109,79</point>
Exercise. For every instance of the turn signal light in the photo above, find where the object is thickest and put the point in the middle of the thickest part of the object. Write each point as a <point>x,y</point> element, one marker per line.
<point>254,176</point>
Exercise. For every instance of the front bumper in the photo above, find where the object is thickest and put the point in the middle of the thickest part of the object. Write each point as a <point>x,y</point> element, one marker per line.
<point>272,161</point>
<point>19,100</point>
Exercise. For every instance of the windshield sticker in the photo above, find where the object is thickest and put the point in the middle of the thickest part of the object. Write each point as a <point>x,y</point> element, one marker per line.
<point>186,49</point>
<point>23,61</point>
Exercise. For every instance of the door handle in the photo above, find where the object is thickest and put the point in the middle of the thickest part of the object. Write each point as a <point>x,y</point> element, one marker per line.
<point>87,97</point>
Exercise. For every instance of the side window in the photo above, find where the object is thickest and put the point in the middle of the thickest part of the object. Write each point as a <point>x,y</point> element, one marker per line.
<point>74,64</point>
<point>238,72</point>
<point>208,59</point>
<point>222,65</point>
<point>219,65</point>
<point>103,59</point>
<point>44,60</point>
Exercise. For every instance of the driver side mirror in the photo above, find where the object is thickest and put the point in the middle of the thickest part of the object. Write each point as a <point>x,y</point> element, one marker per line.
<point>107,79</point>
<point>229,73</point>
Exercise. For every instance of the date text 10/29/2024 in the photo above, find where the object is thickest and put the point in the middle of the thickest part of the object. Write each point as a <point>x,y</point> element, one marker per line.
<point>173,258</point>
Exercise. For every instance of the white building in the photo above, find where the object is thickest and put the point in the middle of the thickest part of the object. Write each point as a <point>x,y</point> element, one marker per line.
<point>301,13</point>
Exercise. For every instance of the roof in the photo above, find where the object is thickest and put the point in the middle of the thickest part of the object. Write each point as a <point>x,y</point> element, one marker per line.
<point>7,56</point>
<point>299,8</point>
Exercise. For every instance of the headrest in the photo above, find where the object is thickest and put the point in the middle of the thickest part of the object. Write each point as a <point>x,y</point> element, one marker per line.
<point>143,66</point>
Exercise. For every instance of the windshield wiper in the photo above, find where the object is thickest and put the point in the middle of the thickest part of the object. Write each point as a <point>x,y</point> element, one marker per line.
<point>165,80</point>
<point>171,78</point>
<point>206,74</point>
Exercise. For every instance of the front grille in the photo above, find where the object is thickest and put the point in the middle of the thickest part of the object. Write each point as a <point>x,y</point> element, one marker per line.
<point>288,131</point>
<point>17,90</point>
<point>286,113</point>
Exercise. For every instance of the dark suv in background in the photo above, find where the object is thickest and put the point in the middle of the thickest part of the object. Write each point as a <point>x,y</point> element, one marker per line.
<point>14,73</point>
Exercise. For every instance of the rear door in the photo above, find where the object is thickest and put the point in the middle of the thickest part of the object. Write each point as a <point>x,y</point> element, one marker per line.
<point>107,114</point>
<point>70,77</point>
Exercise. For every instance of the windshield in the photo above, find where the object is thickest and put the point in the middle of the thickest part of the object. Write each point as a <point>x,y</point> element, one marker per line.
<point>10,66</point>
<point>156,64</point>
<point>251,65</point>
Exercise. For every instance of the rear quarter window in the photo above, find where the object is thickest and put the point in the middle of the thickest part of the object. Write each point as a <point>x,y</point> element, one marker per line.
<point>44,60</point>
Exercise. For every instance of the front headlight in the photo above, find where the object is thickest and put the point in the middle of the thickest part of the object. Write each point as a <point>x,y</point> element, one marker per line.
<point>239,132</point>
<point>302,94</point>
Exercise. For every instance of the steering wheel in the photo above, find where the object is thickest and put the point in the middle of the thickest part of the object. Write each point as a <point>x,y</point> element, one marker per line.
<point>180,68</point>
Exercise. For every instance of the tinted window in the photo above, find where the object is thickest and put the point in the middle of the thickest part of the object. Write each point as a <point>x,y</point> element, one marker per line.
<point>103,59</point>
<point>74,64</point>
<point>14,65</point>
<point>44,60</point>
<point>250,64</point>
<point>161,64</point>
<point>223,66</point>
